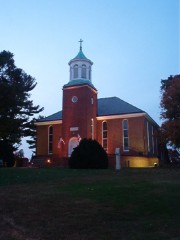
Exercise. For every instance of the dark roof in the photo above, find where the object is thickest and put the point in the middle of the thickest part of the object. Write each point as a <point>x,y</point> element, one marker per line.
<point>115,106</point>
<point>106,107</point>
<point>54,117</point>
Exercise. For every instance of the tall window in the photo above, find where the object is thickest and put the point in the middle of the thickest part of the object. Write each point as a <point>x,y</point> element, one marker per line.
<point>92,128</point>
<point>125,135</point>
<point>50,140</point>
<point>153,140</point>
<point>148,137</point>
<point>76,71</point>
<point>83,73</point>
<point>105,136</point>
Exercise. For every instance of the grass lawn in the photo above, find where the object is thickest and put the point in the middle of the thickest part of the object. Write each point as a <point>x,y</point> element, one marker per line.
<point>55,204</point>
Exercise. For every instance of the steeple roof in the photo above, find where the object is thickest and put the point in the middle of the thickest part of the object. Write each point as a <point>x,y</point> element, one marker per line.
<point>80,56</point>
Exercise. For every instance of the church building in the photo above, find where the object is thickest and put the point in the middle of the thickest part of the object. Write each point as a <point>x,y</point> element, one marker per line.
<point>111,121</point>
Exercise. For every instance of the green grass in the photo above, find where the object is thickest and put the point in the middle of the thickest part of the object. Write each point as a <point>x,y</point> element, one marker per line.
<point>55,204</point>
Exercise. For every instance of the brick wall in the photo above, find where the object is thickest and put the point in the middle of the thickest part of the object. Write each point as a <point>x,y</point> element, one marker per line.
<point>115,135</point>
<point>42,139</point>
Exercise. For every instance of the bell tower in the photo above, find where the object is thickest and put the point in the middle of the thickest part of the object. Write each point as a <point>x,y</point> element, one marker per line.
<point>79,103</point>
<point>80,66</point>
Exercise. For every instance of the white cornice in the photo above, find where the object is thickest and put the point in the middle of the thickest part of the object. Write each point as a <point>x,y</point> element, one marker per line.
<point>48,123</point>
<point>121,116</point>
<point>103,118</point>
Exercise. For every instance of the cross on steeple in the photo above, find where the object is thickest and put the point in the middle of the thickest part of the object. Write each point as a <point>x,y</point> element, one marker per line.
<point>80,41</point>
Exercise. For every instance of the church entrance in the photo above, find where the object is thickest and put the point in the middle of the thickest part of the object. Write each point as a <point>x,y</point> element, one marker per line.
<point>73,142</point>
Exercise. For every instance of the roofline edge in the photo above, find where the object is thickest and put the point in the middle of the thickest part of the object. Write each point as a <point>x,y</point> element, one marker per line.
<point>52,122</point>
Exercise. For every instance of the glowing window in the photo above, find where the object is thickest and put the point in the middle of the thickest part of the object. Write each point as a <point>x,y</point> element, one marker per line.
<point>125,135</point>
<point>50,140</point>
<point>105,136</point>
<point>92,128</point>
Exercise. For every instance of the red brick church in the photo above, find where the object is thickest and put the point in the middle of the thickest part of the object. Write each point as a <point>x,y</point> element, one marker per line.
<point>113,122</point>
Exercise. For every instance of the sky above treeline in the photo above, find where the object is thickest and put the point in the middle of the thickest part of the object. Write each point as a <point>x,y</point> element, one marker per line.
<point>132,43</point>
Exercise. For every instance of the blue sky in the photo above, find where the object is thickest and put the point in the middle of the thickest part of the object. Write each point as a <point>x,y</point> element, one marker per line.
<point>133,44</point>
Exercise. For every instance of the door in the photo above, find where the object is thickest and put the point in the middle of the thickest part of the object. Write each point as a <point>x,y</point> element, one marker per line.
<point>73,142</point>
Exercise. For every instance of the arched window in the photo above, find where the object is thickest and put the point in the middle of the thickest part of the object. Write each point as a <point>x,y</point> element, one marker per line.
<point>92,128</point>
<point>105,136</point>
<point>148,137</point>
<point>75,71</point>
<point>83,73</point>
<point>50,140</point>
<point>125,135</point>
<point>153,147</point>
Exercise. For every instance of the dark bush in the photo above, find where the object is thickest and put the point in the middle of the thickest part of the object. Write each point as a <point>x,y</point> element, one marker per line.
<point>88,154</point>
<point>6,154</point>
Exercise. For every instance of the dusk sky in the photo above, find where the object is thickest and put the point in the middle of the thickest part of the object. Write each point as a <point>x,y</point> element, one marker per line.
<point>132,43</point>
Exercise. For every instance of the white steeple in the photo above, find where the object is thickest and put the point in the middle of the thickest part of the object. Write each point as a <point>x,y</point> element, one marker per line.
<point>80,66</point>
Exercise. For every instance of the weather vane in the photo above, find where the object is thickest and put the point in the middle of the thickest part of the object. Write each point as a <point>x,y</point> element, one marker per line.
<point>80,41</point>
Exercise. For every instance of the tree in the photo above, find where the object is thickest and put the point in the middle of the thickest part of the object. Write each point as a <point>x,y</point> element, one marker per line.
<point>88,154</point>
<point>16,107</point>
<point>170,104</point>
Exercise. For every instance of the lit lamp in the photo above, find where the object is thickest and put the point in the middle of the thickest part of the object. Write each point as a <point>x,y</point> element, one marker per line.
<point>48,161</point>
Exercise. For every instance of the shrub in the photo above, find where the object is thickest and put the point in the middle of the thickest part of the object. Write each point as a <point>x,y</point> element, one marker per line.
<point>88,154</point>
<point>6,153</point>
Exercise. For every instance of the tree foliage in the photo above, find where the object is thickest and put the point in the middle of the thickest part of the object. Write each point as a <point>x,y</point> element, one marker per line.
<point>16,107</point>
<point>88,154</point>
<point>6,153</point>
<point>170,105</point>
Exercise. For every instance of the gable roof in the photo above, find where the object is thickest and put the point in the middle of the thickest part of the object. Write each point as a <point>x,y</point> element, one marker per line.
<point>54,117</point>
<point>106,107</point>
<point>115,106</point>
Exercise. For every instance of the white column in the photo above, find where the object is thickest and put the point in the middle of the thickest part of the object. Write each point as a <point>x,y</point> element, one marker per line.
<point>118,162</point>
<point>79,72</point>
<point>70,77</point>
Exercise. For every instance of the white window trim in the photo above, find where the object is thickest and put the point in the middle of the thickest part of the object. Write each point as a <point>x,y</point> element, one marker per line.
<point>148,140</point>
<point>106,149</point>
<point>125,150</point>
<point>153,140</point>
<point>49,141</point>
